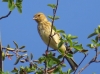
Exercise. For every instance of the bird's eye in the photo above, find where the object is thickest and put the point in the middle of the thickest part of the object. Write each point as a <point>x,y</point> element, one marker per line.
<point>38,15</point>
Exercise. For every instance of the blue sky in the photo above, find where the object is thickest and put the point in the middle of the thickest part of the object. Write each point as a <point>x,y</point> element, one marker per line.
<point>77,17</point>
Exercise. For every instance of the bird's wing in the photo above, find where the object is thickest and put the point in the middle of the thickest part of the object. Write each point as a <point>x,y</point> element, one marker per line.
<point>55,36</point>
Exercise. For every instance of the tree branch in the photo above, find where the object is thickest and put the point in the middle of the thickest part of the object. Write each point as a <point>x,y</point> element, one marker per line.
<point>81,62</point>
<point>94,59</point>
<point>6,15</point>
<point>54,13</point>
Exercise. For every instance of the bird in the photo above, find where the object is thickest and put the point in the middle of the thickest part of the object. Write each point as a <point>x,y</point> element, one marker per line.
<point>44,29</point>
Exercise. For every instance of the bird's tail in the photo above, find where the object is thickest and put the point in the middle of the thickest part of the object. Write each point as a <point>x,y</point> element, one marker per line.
<point>72,63</point>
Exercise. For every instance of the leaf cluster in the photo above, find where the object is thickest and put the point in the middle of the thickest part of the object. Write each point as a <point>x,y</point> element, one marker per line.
<point>12,5</point>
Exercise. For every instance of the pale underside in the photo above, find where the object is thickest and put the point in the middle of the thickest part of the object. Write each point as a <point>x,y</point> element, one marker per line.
<point>44,29</point>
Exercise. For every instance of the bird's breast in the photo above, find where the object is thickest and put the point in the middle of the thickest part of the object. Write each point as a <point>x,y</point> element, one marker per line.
<point>44,33</point>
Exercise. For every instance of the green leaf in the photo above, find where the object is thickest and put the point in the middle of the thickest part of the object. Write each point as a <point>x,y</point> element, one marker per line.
<point>60,31</point>
<point>74,43</point>
<point>14,70</point>
<point>16,44</point>
<point>96,31</point>
<point>4,0</point>
<point>61,38</point>
<point>57,69</point>
<point>19,7</point>
<point>22,68</point>
<point>78,47</point>
<point>69,35</point>
<point>90,45</point>
<point>56,18</point>
<point>73,37</point>
<point>96,38</point>
<point>22,47</point>
<point>41,59</point>
<point>64,35</point>
<point>99,28</point>
<point>70,42</point>
<point>93,34</point>
<point>54,59</point>
<point>19,1</point>
<point>51,17</point>
<point>50,63</point>
<point>94,41</point>
<point>60,44</point>
<point>69,55</point>
<point>29,70</point>
<point>61,72</point>
<point>12,7</point>
<point>20,10</point>
<point>75,51</point>
<point>52,6</point>
<point>18,60</point>
<point>69,71</point>
<point>60,56</point>
<point>10,3</point>
<point>98,44</point>
<point>63,65</point>
<point>95,44</point>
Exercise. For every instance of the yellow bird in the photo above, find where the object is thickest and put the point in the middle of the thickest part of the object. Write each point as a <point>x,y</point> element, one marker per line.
<point>44,29</point>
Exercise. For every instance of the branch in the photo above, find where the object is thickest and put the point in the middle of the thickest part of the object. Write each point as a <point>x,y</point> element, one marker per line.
<point>54,13</point>
<point>94,59</point>
<point>81,62</point>
<point>6,15</point>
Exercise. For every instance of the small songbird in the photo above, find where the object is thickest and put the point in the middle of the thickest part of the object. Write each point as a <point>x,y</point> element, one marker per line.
<point>44,29</point>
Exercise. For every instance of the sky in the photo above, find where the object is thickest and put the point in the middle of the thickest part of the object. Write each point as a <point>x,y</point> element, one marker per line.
<point>77,17</point>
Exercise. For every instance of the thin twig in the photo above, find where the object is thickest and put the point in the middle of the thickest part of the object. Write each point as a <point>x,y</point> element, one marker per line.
<point>54,13</point>
<point>91,61</point>
<point>96,52</point>
<point>81,62</point>
<point>6,15</point>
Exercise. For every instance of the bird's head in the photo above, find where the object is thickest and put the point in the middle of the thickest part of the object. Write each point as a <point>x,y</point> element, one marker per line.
<point>39,17</point>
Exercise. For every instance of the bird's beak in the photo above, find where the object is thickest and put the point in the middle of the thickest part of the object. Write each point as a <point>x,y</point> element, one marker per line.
<point>34,18</point>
